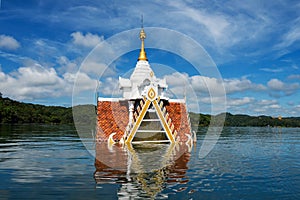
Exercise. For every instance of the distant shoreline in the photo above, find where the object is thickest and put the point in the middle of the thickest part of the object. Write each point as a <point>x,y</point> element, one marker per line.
<point>14,112</point>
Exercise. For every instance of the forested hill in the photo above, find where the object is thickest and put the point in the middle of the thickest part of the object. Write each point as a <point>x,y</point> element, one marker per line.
<point>14,112</point>
<point>246,120</point>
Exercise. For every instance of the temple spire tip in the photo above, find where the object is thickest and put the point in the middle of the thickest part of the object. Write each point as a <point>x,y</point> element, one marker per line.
<point>142,55</point>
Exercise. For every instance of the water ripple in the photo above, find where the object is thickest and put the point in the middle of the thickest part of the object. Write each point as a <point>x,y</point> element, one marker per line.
<point>246,163</point>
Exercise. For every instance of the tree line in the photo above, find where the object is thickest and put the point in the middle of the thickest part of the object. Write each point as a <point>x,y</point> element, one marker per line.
<point>14,112</point>
<point>246,120</point>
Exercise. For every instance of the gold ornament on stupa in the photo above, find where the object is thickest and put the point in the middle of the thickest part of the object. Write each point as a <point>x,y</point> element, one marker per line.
<point>142,55</point>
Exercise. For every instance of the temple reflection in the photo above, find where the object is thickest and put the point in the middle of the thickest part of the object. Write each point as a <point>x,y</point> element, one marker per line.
<point>142,170</point>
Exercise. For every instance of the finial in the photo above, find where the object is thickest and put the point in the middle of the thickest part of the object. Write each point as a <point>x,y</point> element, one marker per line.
<point>142,38</point>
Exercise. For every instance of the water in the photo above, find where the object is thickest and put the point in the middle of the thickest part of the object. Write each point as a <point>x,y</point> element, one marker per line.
<point>50,162</point>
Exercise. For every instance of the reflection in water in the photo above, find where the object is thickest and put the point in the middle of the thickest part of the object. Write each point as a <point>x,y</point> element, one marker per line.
<point>50,162</point>
<point>142,170</point>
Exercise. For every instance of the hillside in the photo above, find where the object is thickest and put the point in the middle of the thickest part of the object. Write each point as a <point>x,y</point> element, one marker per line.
<point>246,120</point>
<point>14,112</point>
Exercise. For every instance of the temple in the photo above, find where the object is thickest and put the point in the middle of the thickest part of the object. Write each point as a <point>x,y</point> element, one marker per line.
<point>144,113</point>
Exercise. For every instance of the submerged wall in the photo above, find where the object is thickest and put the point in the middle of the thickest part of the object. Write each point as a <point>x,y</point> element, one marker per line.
<point>112,118</point>
<point>179,115</point>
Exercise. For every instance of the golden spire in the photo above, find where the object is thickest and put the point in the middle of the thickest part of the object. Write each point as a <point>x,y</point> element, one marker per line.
<point>142,38</point>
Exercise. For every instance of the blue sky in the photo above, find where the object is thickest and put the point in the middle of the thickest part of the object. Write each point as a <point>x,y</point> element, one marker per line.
<point>255,45</point>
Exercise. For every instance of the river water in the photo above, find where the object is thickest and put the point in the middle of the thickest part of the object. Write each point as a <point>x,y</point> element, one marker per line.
<point>51,162</point>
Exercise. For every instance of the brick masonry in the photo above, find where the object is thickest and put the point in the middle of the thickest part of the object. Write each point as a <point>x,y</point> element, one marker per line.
<point>179,115</point>
<point>113,117</point>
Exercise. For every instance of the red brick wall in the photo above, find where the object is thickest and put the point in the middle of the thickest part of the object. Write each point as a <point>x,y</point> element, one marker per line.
<point>112,117</point>
<point>178,114</point>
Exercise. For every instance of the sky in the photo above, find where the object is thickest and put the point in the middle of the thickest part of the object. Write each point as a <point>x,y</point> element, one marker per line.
<point>255,46</point>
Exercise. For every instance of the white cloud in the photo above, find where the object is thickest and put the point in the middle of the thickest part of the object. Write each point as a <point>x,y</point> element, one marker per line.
<point>215,24</point>
<point>294,76</point>
<point>201,83</point>
<point>37,82</point>
<point>279,88</point>
<point>295,111</point>
<point>81,81</point>
<point>31,82</point>
<point>95,68</point>
<point>275,106</point>
<point>254,106</point>
<point>266,106</point>
<point>179,82</point>
<point>240,101</point>
<point>276,84</point>
<point>231,103</point>
<point>291,37</point>
<point>276,70</point>
<point>87,40</point>
<point>110,87</point>
<point>8,42</point>
<point>66,65</point>
<point>38,76</point>
<point>295,66</point>
<point>226,24</point>
<point>265,102</point>
<point>177,79</point>
<point>240,85</point>
<point>270,107</point>
<point>243,104</point>
<point>212,100</point>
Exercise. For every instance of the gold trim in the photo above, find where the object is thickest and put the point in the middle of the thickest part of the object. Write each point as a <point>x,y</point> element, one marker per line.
<point>151,73</point>
<point>151,94</point>
<point>138,122</point>
<point>142,55</point>
<point>164,123</point>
